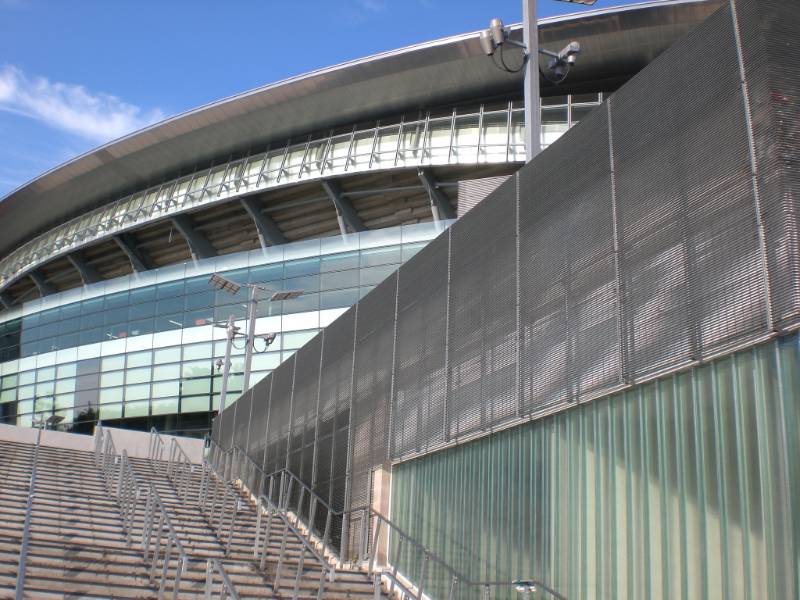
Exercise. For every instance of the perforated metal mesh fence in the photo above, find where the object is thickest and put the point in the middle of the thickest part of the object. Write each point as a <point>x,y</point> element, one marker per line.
<point>661,231</point>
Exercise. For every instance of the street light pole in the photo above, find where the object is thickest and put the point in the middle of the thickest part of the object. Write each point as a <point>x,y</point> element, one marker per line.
<point>530,37</point>
<point>231,330</point>
<point>251,335</point>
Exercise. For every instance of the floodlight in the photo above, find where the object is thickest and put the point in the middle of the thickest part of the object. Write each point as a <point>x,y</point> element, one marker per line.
<point>524,586</point>
<point>54,420</point>
<point>286,295</point>
<point>220,283</point>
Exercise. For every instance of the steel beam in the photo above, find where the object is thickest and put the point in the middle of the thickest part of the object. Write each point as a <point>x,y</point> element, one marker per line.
<point>126,243</point>
<point>268,232</point>
<point>199,246</point>
<point>6,300</point>
<point>345,213</point>
<point>45,289</point>
<point>87,272</point>
<point>440,205</point>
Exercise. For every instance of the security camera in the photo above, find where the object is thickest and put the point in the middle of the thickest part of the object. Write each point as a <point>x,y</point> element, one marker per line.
<point>498,32</point>
<point>570,52</point>
<point>486,42</point>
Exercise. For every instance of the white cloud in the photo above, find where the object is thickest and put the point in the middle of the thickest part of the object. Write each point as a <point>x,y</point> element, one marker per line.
<point>98,117</point>
<point>373,5</point>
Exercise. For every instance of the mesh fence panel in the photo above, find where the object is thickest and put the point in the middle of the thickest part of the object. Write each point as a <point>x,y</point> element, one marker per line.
<point>420,378</point>
<point>280,411</point>
<point>569,310</point>
<point>771,59</point>
<point>482,341</point>
<point>691,253</point>
<point>635,244</point>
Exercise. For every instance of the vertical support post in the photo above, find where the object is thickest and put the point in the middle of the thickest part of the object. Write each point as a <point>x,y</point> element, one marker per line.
<point>251,331</point>
<point>530,33</point>
<point>226,367</point>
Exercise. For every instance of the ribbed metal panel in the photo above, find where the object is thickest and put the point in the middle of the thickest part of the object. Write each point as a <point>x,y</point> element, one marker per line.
<point>691,255</point>
<point>771,62</point>
<point>683,488</point>
<point>279,416</point>
<point>372,380</point>
<point>482,329</point>
<point>472,191</point>
<point>569,309</point>
<point>418,409</point>
<point>242,415</point>
<point>304,414</point>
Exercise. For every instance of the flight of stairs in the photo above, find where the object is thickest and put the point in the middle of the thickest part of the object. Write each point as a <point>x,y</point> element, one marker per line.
<point>78,547</point>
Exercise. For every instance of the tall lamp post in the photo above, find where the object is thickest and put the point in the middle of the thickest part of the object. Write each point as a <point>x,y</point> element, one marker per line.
<point>221,283</point>
<point>496,36</point>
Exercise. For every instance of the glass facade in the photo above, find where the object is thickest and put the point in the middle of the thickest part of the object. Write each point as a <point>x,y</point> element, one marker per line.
<point>142,354</point>
<point>479,134</point>
<point>685,487</point>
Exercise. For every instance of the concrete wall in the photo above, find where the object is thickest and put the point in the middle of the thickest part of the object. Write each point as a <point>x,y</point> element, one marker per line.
<point>135,443</point>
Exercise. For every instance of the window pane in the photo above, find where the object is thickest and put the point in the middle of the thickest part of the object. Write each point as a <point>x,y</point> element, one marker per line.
<point>190,387</point>
<point>139,359</point>
<point>166,372</point>
<point>112,379</point>
<point>195,404</point>
<point>137,392</point>
<point>140,375</point>
<point>112,363</point>
<point>111,395</point>
<point>167,355</point>
<point>137,409</point>
<point>166,388</point>
<point>164,406</point>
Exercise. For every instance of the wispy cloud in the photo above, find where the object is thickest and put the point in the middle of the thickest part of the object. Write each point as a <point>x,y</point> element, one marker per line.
<point>69,107</point>
<point>373,5</point>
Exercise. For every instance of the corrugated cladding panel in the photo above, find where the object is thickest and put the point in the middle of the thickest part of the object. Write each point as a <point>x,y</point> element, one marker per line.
<point>482,334</point>
<point>684,487</point>
<point>257,441</point>
<point>241,413</point>
<point>420,377</point>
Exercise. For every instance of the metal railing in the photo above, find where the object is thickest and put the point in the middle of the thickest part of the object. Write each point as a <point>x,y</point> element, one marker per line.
<point>226,589</point>
<point>161,548</point>
<point>267,511</point>
<point>382,545</point>
<point>221,503</point>
<point>155,449</point>
<point>26,528</point>
<point>179,469</point>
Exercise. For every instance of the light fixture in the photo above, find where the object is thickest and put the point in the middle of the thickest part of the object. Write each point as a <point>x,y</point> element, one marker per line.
<point>54,420</point>
<point>220,283</point>
<point>524,586</point>
<point>586,2</point>
<point>286,295</point>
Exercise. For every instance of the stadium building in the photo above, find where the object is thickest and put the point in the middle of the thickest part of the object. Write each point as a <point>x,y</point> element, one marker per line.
<point>325,182</point>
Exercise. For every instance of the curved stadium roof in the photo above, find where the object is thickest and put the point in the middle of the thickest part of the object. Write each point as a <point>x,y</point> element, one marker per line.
<point>616,43</point>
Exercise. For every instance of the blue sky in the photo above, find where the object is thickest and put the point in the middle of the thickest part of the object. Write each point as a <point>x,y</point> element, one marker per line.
<point>75,74</point>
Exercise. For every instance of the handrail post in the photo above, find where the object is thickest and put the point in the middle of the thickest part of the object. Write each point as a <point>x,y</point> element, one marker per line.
<point>26,529</point>
<point>209,579</point>
<point>453,583</point>
<point>423,573</point>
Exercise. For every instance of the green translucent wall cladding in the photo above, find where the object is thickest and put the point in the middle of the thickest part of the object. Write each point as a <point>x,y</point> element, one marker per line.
<point>686,487</point>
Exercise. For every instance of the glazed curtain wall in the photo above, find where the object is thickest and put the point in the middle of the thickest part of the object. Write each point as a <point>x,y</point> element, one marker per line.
<point>683,488</point>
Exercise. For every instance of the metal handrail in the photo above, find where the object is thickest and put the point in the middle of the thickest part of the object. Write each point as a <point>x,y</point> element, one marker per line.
<point>226,587</point>
<point>165,541</point>
<point>26,528</point>
<point>155,450</point>
<point>179,470</point>
<point>367,552</point>
<point>223,494</point>
<point>265,504</point>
